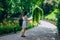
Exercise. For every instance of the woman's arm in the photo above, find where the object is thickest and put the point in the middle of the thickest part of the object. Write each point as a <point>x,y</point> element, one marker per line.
<point>28,19</point>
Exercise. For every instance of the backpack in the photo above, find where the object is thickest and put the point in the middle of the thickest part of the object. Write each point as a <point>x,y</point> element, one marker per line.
<point>20,21</point>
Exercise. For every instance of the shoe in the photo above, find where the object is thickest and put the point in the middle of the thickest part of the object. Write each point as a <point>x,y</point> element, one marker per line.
<point>23,36</point>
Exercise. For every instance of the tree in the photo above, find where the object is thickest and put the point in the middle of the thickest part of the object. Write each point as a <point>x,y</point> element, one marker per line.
<point>48,6</point>
<point>11,7</point>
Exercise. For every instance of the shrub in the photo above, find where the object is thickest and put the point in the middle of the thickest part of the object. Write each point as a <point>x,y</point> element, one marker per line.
<point>9,27</point>
<point>58,23</point>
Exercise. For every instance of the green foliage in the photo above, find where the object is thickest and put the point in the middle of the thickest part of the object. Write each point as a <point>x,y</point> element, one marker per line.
<point>11,8</point>
<point>37,14</point>
<point>14,6</point>
<point>58,22</point>
<point>9,27</point>
<point>52,16</point>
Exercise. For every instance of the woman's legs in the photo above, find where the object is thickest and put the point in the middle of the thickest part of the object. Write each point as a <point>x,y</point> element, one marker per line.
<point>23,32</point>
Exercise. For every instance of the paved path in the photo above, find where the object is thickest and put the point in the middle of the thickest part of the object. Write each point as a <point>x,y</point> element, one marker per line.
<point>44,31</point>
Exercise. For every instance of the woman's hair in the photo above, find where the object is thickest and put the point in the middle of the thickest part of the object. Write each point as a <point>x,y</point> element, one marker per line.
<point>25,13</point>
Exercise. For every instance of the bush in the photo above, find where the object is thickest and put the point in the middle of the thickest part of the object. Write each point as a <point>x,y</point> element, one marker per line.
<point>58,23</point>
<point>9,27</point>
